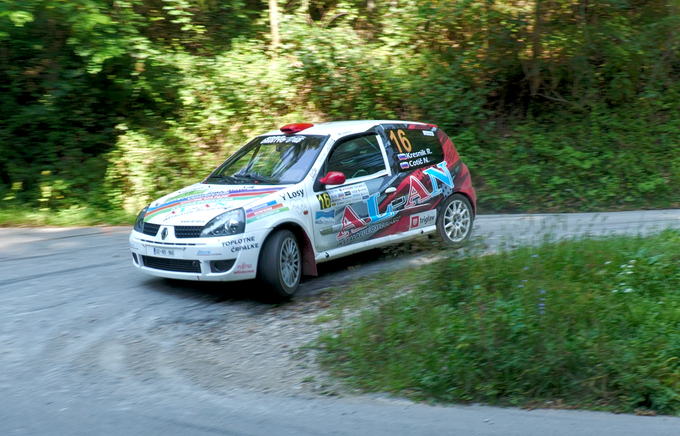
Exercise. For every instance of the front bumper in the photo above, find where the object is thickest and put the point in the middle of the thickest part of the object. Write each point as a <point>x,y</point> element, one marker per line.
<point>206,259</point>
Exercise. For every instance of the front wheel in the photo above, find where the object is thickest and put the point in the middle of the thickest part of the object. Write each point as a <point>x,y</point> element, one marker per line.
<point>280,264</point>
<point>454,223</point>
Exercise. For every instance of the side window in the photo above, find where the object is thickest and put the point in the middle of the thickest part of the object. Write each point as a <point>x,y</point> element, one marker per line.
<point>358,157</point>
<point>415,148</point>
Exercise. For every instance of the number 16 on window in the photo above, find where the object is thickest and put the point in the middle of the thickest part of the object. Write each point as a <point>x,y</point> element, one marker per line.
<point>400,140</point>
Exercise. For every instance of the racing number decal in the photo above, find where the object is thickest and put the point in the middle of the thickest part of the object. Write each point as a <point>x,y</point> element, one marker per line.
<point>324,200</point>
<point>401,140</point>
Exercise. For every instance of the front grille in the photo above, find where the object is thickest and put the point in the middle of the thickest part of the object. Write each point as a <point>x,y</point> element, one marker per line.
<point>151,229</point>
<point>188,231</point>
<point>178,265</point>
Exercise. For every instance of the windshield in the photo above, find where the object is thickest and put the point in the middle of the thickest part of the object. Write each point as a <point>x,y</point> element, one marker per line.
<point>275,160</point>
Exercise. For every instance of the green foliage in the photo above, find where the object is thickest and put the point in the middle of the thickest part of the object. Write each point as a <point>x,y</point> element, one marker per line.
<point>555,106</point>
<point>67,217</point>
<point>581,162</point>
<point>595,323</point>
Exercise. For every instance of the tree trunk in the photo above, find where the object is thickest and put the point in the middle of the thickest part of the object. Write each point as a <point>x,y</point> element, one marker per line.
<point>535,73</point>
<point>274,22</point>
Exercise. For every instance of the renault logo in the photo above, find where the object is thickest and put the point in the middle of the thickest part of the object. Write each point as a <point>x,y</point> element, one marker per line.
<point>164,233</point>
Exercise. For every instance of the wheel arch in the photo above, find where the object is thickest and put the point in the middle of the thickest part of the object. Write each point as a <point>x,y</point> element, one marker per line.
<point>470,199</point>
<point>467,189</point>
<point>308,257</point>
<point>464,194</point>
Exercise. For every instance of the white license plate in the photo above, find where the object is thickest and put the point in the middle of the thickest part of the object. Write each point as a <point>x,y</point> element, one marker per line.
<point>163,252</point>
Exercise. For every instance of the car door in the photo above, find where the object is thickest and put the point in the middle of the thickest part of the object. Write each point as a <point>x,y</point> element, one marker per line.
<point>350,213</point>
<point>422,176</point>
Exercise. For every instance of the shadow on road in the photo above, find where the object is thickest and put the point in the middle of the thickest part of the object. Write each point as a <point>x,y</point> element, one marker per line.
<point>336,273</point>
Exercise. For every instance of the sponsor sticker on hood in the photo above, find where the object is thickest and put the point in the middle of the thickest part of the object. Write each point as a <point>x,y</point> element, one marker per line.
<point>202,199</point>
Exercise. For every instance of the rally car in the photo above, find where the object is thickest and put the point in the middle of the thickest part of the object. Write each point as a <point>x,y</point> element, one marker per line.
<point>305,194</point>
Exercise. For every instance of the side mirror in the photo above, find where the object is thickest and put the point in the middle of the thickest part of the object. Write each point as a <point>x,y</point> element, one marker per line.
<point>333,178</point>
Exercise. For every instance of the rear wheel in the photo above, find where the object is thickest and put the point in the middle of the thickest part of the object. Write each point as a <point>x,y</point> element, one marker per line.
<point>454,223</point>
<point>280,263</point>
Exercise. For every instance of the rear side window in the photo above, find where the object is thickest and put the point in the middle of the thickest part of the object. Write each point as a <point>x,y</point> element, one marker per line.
<point>415,148</point>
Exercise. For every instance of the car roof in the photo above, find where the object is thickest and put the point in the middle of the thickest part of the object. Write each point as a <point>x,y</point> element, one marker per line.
<point>343,128</point>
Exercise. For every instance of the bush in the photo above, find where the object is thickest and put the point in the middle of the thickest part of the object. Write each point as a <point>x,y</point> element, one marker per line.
<point>606,159</point>
<point>595,323</point>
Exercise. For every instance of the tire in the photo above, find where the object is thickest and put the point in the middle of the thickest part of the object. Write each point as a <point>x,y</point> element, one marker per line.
<point>454,222</point>
<point>280,264</point>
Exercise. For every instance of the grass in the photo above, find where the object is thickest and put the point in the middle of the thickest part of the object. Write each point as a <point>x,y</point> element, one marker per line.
<point>74,217</point>
<point>591,323</point>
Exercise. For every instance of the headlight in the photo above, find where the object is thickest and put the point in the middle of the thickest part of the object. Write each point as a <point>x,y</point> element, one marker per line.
<point>139,223</point>
<point>226,224</point>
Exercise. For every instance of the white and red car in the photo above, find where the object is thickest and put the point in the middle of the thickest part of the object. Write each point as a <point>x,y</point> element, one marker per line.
<point>305,194</point>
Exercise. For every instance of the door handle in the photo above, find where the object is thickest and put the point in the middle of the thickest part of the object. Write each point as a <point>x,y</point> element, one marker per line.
<point>390,190</point>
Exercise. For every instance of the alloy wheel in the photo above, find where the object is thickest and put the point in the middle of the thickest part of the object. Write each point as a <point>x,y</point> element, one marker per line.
<point>290,262</point>
<point>457,221</point>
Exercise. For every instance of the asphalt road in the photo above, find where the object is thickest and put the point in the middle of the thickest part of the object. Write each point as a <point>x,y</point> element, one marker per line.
<point>90,346</point>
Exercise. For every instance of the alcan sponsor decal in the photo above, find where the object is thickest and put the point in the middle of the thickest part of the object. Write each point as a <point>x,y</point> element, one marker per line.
<point>352,223</point>
<point>418,194</point>
<point>264,210</point>
<point>201,199</point>
<point>423,219</point>
<point>367,231</point>
<point>439,173</point>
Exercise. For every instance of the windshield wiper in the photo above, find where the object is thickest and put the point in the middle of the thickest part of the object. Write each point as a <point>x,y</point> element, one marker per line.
<point>255,177</point>
<point>229,179</point>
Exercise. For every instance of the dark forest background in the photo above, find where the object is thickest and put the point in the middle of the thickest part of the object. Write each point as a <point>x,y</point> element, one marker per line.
<point>565,105</point>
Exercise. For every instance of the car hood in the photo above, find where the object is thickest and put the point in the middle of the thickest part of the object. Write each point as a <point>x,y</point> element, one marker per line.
<point>197,204</point>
